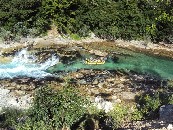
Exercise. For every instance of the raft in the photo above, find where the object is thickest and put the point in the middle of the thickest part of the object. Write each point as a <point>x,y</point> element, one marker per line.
<point>94,62</point>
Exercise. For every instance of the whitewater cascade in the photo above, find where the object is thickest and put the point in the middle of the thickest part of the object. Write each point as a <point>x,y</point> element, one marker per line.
<point>23,64</point>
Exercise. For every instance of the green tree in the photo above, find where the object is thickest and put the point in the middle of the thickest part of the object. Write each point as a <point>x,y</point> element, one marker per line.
<point>112,19</point>
<point>159,19</point>
<point>14,11</point>
<point>61,12</point>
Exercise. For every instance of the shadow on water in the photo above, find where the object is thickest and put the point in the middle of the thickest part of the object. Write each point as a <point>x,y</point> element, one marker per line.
<point>148,72</point>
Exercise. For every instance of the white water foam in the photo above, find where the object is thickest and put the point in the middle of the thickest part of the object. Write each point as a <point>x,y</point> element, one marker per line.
<point>24,57</point>
<point>23,64</point>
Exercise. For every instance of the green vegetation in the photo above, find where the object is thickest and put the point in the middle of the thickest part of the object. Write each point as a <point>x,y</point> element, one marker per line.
<point>10,117</point>
<point>66,108</point>
<point>111,19</point>
<point>75,37</point>
<point>51,109</point>
<point>123,113</point>
<point>57,109</point>
<point>149,103</point>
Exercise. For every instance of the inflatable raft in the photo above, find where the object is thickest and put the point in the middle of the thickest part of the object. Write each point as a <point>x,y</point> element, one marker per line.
<point>94,62</point>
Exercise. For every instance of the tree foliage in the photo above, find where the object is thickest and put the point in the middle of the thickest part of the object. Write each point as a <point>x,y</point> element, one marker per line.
<point>111,19</point>
<point>149,103</point>
<point>14,11</point>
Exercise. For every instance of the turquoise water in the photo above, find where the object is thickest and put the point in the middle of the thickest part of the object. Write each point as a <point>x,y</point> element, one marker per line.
<point>23,65</point>
<point>142,63</point>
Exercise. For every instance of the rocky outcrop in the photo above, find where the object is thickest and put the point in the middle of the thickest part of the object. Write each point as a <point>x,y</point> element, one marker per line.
<point>65,54</point>
<point>9,99</point>
<point>19,92</point>
<point>112,86</point>
<point>98,53</point>
<point>159,49</point>
<point>166,113</point>
<point>147,125</point>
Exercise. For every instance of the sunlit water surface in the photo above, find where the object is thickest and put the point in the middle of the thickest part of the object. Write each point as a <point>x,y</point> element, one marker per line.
<point>24,64</point>
<point>141,63</point>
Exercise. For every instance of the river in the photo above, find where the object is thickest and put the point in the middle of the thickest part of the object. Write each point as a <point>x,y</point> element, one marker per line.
<point>21,65</point>
<point>141,63</point>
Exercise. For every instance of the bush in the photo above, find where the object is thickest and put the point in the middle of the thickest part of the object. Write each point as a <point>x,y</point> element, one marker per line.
<point>14,11</point>
<point>18,16</point>
<point>39,125</point>
<point>123,113</point>
<point>10,117</point>
<point>149,103</point>
<point>6,36</point>
<point>159,19</point>
<point>56,109</point>
<point>170,85</point>
<point>75,37</point>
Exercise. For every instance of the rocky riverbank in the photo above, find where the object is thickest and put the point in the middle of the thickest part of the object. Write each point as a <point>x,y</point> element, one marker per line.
<point>159,49</point>
<point>104,87</point>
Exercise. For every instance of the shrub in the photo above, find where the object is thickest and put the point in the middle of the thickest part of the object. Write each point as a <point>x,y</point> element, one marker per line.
<point>123,113</point>
<point>170,99</point>
<point>56,109</point>
<point>75,37</point>
<point>40,125</point>
<point>111,19</point>
<point>170,85</point>
<point>149,103</point>
<point>159,19</point>
<point>5,35</point>
<point>14,11</point>
<point>9,117</point>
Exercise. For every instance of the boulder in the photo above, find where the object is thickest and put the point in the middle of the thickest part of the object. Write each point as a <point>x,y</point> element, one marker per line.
<point>95,82</point>
<point>166,113</point>
<point>103,104</point>
<point>94,91</point>
<point>98,53</point>
<point>79,75</point>
<point>170,127</point>
<point>82,81</point>
<point>100,85</point>
<point>128,95</point>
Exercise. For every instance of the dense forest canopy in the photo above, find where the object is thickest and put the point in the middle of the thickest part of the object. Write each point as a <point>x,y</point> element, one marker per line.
<point>111,19</point>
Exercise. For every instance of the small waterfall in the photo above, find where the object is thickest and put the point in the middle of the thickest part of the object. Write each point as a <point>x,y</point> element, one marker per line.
<point>23,64</point>
<point>50,62</point>
<point>23,57</point>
